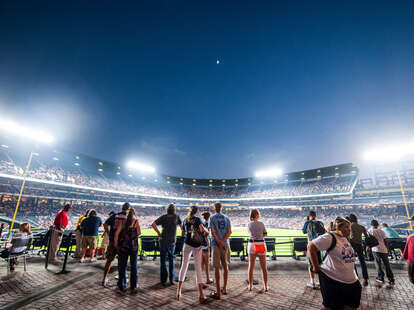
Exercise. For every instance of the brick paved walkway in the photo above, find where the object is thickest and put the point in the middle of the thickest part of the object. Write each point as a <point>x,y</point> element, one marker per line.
<point>80,289</point>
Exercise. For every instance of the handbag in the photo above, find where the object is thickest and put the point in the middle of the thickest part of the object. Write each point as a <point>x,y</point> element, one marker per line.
<point>371,241</point>
<point>258,247</point>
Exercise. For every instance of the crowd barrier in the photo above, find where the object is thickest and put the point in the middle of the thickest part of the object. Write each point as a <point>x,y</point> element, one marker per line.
<point>149,247</point>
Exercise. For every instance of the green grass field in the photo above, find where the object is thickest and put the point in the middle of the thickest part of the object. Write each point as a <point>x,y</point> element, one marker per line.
<point>242,232</point>
<point>282,236</point>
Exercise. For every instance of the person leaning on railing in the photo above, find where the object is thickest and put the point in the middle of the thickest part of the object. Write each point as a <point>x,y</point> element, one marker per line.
<point>78,235</point>
<point>59,225</point>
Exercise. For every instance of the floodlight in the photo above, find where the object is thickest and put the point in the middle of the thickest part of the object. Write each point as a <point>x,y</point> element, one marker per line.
<point>390,153</point>
<point>18,130</point>
<point>140,166</point>
<point>268,173</point>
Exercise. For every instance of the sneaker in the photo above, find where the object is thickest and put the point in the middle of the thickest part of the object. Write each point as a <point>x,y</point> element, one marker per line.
<point>121,292</point>
<point>317,284</point>
<point>391,282</point>
<point>311,285</point>
<point>105,283</point>
<point>93,260</point>
<point>380,280</point>
<point>365,283</point>
<point>82,260</point>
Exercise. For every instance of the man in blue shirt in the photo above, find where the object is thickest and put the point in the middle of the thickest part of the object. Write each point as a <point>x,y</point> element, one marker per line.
<point>90,226</point>
<point>221,230</point>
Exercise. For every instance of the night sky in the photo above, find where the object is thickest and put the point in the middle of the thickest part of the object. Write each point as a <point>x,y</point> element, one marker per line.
<point>298,85</point>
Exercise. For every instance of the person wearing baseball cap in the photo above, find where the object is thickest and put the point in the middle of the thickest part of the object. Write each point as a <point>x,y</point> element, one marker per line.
<point>59,225</point>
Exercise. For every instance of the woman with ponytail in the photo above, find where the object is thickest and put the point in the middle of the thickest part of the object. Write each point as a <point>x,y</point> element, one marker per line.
<point>126,243</point>
<point>194,233</point>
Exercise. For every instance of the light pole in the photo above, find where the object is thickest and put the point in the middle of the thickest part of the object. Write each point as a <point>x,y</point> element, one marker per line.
<point>20,131</point>
<point>404,200</point>
<point>21,190</point>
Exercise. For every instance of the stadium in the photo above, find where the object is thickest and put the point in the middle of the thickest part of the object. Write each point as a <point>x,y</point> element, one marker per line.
<point>209,155</point>
<point>58,177</point>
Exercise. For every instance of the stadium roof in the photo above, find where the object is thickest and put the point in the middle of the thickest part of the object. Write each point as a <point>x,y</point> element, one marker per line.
<point>67,159</point>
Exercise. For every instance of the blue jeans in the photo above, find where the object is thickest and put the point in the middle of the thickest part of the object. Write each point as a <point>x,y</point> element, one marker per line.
<point>383,257</point>
<point>167,250</point>
<point>123,262</point>
<point>360,253</point>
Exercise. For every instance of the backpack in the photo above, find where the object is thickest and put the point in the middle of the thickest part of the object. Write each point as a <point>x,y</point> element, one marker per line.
<point>331,247</point>
<point>315,229</point>
<point>128,240</point>
<point>371,241</point>
<point>196,235</point>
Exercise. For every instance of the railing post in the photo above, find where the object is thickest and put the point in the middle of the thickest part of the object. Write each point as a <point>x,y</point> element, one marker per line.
<point>68,247</point>
<point>49,242</point>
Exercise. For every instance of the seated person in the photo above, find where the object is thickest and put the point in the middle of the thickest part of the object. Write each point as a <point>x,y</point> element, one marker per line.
<point>389,232</point>
<point>24,233</point>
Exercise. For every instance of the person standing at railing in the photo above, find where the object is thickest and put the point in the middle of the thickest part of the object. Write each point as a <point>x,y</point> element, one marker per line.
<point>90,227</point>
<point>78,235</point>
<point>194,232</point>
<point>355,238</point>
<point>59,225</point>
<point>381,254</point>
<point>206,249</point>
<point>257,247</point>
<point>313,228</point>
<point>169,223</point>
<point>126,243</point>
<point>220,226</point>
<point>389,232</point>
<point>409,255</point>
<point>110,227</point>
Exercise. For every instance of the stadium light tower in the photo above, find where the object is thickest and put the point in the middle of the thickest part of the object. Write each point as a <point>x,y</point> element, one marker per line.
<point>393,153</point>
<point>140,167</point>
<point>274,172</point>
<point>18,130</point>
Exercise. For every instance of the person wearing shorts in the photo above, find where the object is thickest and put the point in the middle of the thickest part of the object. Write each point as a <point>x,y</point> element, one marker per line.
<point>205,248</point>
<point>220,226</point>
<point>257,247</point>
<point>89,227</point>
<point>340,287</point>
<point>110,227</point>
<point>105,240</point>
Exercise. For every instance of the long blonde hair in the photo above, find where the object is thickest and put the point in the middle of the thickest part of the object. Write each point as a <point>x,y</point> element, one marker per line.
<point>25,227</point>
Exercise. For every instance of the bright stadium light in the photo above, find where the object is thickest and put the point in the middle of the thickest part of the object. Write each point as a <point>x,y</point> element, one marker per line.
<point>389,153</point>
<point>393,153</point>
<point>24,132</point>
<point>140,166</point>
<point>21,131</point>
<point>274,172</point>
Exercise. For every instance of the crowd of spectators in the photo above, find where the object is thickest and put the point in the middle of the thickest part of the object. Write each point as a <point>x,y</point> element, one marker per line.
<point>53,172</point>
<point>41,214</point>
